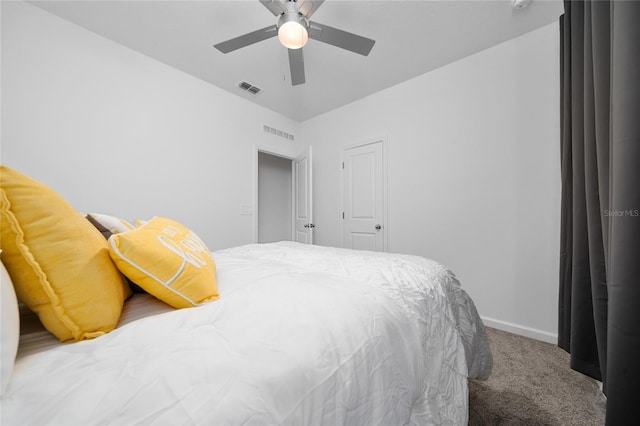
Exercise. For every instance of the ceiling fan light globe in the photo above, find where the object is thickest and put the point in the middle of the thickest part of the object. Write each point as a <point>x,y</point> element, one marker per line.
<point>293,35</point>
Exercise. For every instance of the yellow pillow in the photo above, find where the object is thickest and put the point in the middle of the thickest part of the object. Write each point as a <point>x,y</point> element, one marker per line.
<point>58,261</point>
<point>167,260</point>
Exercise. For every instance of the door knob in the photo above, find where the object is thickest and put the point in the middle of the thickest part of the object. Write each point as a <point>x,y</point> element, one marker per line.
<point>378,227</point>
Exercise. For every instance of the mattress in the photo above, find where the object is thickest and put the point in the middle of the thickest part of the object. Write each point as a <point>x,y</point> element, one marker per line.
<point>301,335</point>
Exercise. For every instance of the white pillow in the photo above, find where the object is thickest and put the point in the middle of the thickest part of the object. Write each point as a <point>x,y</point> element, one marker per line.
<point>10,327</point>
<point>113,223</point>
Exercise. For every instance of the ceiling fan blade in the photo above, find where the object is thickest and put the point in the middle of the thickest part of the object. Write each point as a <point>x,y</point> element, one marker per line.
<point>296,65</point>
<point>276,7</point>
<point>247,39</point>
<point>308,7</point>
<point>339,38</point>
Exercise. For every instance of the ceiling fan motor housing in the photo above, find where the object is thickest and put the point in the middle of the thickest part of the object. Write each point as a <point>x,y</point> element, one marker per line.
<point>292,15</point>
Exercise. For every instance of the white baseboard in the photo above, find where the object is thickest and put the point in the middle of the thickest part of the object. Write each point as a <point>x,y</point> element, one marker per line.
<point>521,330</point>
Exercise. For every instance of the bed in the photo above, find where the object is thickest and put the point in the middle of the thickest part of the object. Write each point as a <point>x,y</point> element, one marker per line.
<point>262,334</point>
<point>300,335</point>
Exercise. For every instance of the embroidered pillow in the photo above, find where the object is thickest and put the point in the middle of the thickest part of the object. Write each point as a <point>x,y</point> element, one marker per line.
<point>168,261</point>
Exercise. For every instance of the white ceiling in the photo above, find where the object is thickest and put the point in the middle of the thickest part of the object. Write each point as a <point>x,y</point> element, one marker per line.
<point>412,37</point>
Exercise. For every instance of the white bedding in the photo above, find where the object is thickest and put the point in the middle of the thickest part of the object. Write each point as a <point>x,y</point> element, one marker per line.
<point>302,335</point>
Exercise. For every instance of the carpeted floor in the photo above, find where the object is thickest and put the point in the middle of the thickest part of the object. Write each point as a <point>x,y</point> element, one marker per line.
<point>532,384</point>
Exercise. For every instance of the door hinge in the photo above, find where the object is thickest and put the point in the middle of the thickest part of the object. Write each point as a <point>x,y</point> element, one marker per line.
<point>343,215</point>
<point>343,164</point>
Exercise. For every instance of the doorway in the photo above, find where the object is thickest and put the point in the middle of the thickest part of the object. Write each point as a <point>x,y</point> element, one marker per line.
<point>274,198</point>
<point>283,197</point>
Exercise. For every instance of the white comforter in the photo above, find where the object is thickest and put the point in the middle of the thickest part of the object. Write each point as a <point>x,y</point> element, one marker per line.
<point>302,335</point>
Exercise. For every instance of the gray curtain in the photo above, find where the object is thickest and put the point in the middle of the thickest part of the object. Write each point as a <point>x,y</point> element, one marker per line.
<point>599,306</point>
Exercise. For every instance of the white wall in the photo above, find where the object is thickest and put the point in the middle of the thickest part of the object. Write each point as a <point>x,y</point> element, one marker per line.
<point>473,174</point>
<point>116,132</point>
<point>274,198</point>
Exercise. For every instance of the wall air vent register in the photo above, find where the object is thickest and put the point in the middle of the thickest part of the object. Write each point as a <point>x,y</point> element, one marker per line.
<point>278,132</point>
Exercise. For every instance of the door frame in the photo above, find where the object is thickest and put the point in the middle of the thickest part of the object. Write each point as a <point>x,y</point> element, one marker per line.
<point>385,209</point>
<point>277,153</point>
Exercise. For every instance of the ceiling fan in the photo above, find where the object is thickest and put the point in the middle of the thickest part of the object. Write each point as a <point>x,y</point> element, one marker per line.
<point>294,29</point>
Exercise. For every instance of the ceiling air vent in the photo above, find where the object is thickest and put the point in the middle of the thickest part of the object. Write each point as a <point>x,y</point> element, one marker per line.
<point>248,87</point>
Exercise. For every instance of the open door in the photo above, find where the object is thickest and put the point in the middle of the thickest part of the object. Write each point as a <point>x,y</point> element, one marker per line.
<point>303,198</point>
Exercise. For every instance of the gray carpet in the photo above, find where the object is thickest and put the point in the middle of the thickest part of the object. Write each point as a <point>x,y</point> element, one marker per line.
<point>532,384</point>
